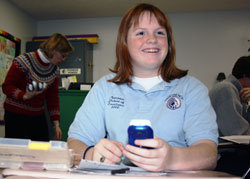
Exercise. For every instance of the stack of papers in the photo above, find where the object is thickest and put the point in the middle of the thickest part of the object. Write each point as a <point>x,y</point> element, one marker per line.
<point>27,154</point>
<point>93,167</point>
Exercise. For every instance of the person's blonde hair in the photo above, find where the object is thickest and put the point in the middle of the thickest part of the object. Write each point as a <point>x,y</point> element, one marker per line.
<point>56,42</point>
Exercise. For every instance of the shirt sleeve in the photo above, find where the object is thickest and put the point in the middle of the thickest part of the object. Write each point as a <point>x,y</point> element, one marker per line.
<point>52,100</point>
<point>14,76</point>
<point>200,119</point>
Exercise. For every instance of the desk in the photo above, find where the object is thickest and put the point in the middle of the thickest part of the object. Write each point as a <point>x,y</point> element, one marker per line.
<point>22,174</point>
<point>234,158</point>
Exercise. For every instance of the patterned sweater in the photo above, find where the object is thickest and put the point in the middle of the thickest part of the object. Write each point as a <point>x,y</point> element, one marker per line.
<point>24,69</point>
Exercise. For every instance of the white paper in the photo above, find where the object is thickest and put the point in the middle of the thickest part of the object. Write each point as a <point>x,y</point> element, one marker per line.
<point>65,83</point>
<point>92,167</point>
<point>88,165</point>
<point>85,87</point>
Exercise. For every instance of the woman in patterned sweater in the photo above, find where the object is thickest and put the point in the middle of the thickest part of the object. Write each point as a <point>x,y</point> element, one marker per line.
<point>25,109</point>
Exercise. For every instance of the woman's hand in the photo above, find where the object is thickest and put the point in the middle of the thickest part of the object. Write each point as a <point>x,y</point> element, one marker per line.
<point>200,155</point>
<point>155,159</point>
<point>57,133</point>
<point>31,94</point>
<point>110,150</point>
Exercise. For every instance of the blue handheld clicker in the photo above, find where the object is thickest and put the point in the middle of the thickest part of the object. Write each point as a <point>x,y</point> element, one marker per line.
<point>139,129</point>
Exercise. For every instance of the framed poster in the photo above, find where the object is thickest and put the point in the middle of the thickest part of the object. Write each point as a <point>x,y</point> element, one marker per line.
<point>9,49</point>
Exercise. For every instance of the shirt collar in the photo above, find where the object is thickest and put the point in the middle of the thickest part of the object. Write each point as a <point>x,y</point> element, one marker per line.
<point>42,56</point>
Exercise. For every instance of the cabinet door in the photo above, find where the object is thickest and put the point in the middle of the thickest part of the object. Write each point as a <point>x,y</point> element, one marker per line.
<point>89,63</point>
<point>75,63</point>
<point>32,46</point>
<point>82,59</point>
<point>70,102</point>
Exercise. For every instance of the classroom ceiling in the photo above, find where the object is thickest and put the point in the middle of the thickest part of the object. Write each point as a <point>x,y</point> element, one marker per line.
<point>74,9</point>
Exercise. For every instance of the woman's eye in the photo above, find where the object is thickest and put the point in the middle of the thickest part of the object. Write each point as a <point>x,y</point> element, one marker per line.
<point>161,33</point>
<point>139,33</point>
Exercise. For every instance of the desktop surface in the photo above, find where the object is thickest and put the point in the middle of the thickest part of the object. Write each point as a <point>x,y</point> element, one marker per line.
<point>26,174</point>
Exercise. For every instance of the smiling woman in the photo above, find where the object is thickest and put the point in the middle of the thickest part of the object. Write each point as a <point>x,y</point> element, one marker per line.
<point>146,84</point>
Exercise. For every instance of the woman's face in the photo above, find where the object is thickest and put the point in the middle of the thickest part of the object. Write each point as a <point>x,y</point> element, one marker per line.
<point>57,57</point>
<point>147,45</point>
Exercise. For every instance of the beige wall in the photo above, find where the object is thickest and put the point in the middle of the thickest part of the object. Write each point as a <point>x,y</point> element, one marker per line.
<point>207,43</point>
<point>17,24</point>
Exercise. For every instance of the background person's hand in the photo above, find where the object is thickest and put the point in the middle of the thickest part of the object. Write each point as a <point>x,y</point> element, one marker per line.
<point>31,94</point>
<point>245,95</point>
<point>57,133</point>
<point>110,150</point>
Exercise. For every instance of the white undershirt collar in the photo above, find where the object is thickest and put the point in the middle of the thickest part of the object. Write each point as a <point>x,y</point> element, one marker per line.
<point>43,58</point>
<point>147,83</point>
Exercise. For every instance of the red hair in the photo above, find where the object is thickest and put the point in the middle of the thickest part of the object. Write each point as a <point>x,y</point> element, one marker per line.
<point>123,67</point>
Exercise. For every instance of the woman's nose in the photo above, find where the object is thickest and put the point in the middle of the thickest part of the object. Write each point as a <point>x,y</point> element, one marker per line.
<point>152,38</point>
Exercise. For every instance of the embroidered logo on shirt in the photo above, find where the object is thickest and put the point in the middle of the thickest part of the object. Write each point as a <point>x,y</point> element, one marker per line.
<point>116,102</point>
<point>174,101</point>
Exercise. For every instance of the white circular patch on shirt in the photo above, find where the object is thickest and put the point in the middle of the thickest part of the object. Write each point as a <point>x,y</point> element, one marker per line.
<point>174,101</point>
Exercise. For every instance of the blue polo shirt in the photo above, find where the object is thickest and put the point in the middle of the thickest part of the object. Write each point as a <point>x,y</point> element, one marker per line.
<point>180,112</point>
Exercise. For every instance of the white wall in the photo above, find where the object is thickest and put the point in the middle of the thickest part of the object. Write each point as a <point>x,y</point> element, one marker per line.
<point>16,23</point>
<point>106,28</point>
<point>207,43</point>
